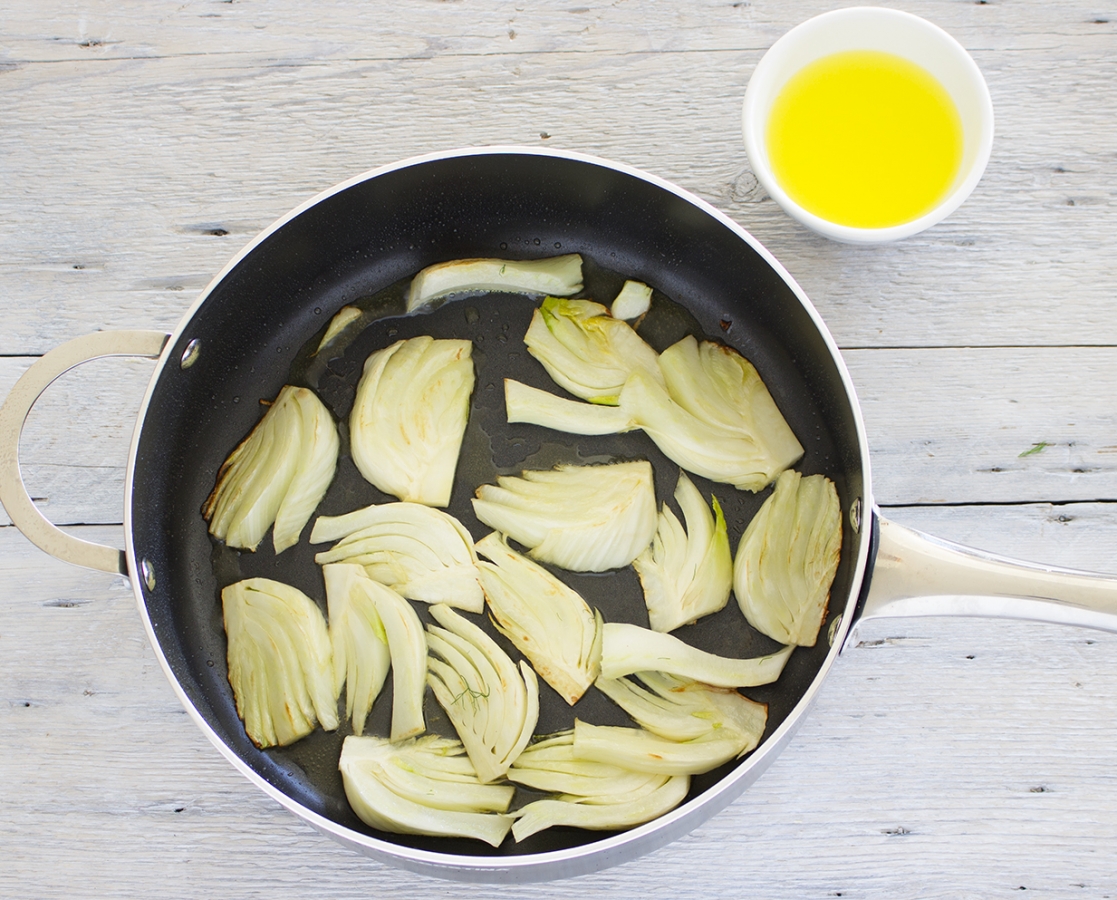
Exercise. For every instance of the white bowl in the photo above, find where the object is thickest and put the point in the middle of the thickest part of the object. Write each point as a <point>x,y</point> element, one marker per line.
<point>890,31</point>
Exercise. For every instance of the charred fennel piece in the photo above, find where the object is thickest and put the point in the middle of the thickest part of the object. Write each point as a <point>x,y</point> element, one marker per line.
<point>280,665</point>
<point>586,351</point>
<point>493,706</point>
<point>421,553</point>
<point>634,299</point>
<point>583,518</point>
<point>544,619</point>
<point>425,785</point>
<point>278,474</point>
<point>590,795</point>
<point>409,417</point>
<point>359,642</point>
<point>787,559</point>
<point>686,573</point>
<point>558,275</point>
<point>626,649</point>
<point>687,727</point>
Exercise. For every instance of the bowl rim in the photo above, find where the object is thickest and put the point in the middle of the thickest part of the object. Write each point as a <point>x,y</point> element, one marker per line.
<point>753,127</point>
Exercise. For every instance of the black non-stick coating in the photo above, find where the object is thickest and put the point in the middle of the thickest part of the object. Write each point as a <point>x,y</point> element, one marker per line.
<point>258,326</point>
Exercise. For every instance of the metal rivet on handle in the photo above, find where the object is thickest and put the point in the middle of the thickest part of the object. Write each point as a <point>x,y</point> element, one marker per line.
<point>148,572</point>
<point>855,515</point>
<point>191,353</point>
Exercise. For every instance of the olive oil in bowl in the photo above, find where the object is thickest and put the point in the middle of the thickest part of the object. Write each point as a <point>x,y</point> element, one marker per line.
<point>865,138</point>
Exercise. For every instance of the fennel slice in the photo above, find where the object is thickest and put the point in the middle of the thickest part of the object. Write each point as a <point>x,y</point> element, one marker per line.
<point>409,417</point>
<point>535,407</point>
<point>422,553</point>
<point>681,710</point>
<point>342,319</point>
<point>686,574</point>
<point>396,787</point>
<point>317,462</point>
<point>787,559</point>
<point>493,706</point>
<point>544,619</point>
<point>407,647</point>
<point>583,518</point>
<point>642,751</point>
<point>279,661</point>
<point>586,351</point>
<point>627,648</point>
<point>634,299</point>
<point>360,645</point>
<point>717,385</point>
<point>557,275</point>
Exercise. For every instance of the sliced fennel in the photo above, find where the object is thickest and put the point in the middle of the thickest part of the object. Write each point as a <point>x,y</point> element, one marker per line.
<point>421,553</point>
<point>629,648</point>
<point>704,405</point>
<point>586,351</point>
<point>682,710</point>
<point>698,445</point>
<point>425,785</point>
<point>634,299</point>
<point>686,574</point>
<point>360,645</point>
<point>535,407</point>
<point>409,417</point>
<point>280,665</point>
<point>707,726</point>
<point>558,275</point>
<point>722,389</point>
<point>787,559</point>
<point>642,751</point>
<point>583,518</point>
<point>407,647</point>
<point>590,795</point>
<point>344,317</point>
<point>544,619</point>
<point>278,474</point>
<point>493,707</point>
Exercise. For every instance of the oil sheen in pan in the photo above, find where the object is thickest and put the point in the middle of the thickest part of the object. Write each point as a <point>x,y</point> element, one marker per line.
<point>496,324</point>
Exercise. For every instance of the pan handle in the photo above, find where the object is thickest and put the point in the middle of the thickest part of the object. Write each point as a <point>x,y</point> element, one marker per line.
<point>31,384</point>
<point>919,575</point>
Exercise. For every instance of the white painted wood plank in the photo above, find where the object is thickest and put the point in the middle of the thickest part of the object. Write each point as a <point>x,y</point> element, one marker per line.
<point>966,425</point>
<point>74,448</point>
<point>116,208</point>
<point>288,31</point>
<point>932,742</point>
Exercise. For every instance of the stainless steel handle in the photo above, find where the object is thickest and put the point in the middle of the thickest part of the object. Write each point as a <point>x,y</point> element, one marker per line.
<point>31,384</point>
<point>920,575</point>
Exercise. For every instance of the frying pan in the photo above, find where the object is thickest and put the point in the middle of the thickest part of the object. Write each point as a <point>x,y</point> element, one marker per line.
<point>257,326</point>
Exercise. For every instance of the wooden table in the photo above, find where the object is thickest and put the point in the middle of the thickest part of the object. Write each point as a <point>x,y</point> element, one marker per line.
<point>142,143</point>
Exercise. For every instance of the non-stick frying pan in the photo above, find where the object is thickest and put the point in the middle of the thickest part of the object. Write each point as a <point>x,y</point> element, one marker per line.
<point>255,328</point>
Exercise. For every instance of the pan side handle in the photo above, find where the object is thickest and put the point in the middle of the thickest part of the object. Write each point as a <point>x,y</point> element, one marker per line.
<point>31,384</point>
<point>920,575</point>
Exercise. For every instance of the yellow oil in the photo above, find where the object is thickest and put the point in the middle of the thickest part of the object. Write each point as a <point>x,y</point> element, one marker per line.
<point>865,138</point>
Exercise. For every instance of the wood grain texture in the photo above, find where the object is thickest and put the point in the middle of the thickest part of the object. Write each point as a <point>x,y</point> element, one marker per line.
<point>127,170</point>
<point>143,143</point>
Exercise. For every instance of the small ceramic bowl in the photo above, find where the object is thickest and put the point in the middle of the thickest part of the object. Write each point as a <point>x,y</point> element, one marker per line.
<point>890,31</point>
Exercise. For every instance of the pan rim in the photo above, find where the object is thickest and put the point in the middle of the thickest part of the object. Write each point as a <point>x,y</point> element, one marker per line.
<point>596,854</point>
